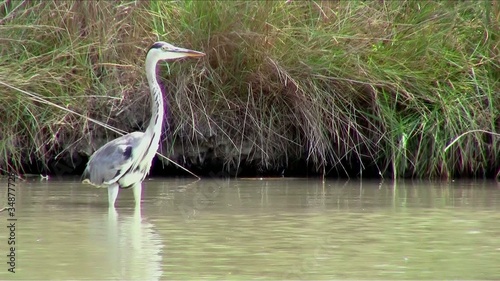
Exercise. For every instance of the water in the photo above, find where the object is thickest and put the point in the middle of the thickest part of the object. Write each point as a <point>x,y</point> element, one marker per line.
<point>255,229</point>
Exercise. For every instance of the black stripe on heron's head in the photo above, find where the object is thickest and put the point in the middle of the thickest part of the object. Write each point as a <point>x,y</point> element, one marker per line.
<point>156,45</point>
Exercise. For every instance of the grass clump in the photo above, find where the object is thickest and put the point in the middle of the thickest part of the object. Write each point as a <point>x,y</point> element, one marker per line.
<point>346,88</point>
<point>81,57</point>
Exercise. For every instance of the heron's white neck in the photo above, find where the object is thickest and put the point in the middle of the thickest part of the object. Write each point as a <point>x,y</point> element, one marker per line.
<point>157,110</point>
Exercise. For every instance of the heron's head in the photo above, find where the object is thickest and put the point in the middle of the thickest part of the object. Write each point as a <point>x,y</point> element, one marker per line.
<point>165,51</point>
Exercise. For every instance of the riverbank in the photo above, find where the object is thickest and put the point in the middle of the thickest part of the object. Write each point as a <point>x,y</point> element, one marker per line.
<point>338,88</point>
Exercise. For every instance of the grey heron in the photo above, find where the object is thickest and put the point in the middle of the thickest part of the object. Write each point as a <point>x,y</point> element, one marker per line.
<point>124,162</point>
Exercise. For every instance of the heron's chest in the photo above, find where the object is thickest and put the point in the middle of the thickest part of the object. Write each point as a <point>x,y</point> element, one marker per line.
<point>139,171</point>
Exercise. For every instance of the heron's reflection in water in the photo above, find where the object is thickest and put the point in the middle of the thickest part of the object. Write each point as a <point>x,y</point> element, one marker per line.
<point>134,248</point>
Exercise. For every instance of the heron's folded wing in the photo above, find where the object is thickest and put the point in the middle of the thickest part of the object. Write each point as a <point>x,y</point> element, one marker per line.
<point>109,163</point>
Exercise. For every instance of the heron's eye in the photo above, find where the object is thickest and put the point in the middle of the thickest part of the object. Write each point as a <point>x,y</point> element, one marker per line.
<point>164,48</point>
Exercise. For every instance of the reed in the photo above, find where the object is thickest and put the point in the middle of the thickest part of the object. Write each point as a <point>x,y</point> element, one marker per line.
<point>355,88</point>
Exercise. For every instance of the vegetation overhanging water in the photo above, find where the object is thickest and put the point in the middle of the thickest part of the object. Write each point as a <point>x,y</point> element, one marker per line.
<point>355,88</point>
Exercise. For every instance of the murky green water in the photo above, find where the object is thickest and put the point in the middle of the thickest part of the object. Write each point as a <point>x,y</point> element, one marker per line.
<point>255,229</point>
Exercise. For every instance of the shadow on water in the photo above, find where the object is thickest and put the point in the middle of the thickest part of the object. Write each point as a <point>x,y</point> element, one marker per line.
<point>269,229</point>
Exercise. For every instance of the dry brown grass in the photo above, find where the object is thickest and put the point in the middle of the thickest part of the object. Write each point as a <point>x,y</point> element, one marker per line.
<point>346,87</point>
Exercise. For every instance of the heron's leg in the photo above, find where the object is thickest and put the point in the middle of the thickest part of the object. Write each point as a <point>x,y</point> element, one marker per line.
<point>112,194</point>
<point>137,193</point>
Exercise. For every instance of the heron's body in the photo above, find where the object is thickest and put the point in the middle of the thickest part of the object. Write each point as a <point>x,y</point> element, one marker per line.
<point>125,161</point>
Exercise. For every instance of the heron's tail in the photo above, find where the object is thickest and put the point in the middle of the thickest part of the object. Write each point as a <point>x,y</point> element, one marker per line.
<point>85,176</point>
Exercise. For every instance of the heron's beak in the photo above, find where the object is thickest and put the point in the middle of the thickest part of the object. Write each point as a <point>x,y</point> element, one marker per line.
<point>189,53</point>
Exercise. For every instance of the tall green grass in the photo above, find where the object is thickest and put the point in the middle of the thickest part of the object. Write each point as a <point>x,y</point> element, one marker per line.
<point>350,88</point>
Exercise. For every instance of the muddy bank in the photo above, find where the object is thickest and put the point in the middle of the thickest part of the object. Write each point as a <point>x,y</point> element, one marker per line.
<point>208,163</point>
